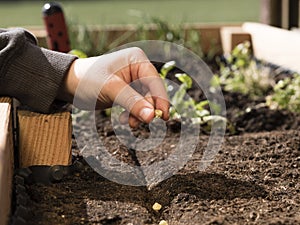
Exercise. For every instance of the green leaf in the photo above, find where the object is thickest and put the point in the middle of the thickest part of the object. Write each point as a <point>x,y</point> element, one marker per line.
<point>167,67</point>
<point>200,105</point>
<point>185,79</point>
<point>78,53</point>
<point>178,96</point>
<point>183,106</point>
<point>286,94</point>
<point>215,81</point>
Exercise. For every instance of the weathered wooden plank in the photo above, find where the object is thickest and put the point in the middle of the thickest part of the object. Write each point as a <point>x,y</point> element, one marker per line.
<point>275,45</point>
<point>210,38</point>
<point>44,139</point>
<point>6,160</point>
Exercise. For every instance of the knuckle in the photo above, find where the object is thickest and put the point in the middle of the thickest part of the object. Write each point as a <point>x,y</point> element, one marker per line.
<point>137,51</point>
<point>137,55</point>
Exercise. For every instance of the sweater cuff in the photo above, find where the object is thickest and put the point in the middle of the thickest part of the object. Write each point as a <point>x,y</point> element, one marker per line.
<point>36,76</point>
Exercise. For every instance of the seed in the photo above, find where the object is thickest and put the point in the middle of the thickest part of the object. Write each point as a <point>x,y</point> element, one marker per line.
<point>158,113</point>
<point>163,222</point>
<point>156,206</point>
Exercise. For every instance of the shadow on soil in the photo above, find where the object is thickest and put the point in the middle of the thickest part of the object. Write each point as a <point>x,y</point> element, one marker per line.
<point>205,186</point>
<point>71,195</point>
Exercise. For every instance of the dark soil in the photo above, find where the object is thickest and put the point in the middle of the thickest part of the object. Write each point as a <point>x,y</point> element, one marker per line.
<point>254,178</point>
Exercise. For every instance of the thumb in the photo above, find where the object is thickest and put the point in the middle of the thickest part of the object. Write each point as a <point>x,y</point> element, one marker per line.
<point>131,100</point>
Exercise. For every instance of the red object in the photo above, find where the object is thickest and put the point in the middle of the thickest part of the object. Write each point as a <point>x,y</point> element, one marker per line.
<point>54,20</point>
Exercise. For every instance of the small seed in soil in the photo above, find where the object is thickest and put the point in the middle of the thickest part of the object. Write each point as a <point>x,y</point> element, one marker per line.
<point>156,206</point>
<point>158,113</point>
<point>163,222</point>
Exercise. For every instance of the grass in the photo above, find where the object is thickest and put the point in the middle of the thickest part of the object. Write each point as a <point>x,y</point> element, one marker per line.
<point>105,12</point>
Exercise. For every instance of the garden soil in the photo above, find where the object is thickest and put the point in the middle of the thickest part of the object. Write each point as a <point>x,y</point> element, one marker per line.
<point>254,179</point>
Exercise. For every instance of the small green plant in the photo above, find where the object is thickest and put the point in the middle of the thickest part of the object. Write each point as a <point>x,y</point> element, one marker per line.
<point>78,53</point>
<point>241,73</point>
<point>167,32</point>
<point>183,106</point>
<point>95,43</point>
<point>286,94</point>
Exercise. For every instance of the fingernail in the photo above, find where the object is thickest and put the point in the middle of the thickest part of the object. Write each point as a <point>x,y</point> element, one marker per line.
<point>145,114</point>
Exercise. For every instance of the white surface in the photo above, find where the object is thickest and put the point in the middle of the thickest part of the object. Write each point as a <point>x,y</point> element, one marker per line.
<point>275,45</point>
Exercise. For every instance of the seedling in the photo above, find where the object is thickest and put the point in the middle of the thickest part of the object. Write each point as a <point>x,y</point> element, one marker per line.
<point>183,106</point>
<point>180,103</point>
<point>78,53</point>
<point>166,31</point>
<point>241,73</point>
<point>156,206</point>
<point>286,95</point>
<point>83,36</point>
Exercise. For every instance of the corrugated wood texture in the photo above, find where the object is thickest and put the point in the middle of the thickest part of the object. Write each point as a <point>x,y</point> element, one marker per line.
<point>5,100</point>
<point>6,159</point>
<point>44,139</point>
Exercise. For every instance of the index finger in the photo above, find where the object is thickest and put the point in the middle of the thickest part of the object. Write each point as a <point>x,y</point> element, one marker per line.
<point>149,77</point>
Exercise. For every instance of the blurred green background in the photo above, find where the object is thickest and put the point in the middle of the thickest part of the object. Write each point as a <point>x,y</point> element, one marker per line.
<point>103,12</point>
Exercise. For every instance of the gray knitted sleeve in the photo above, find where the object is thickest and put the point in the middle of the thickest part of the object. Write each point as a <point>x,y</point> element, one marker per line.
<point>31,74</point>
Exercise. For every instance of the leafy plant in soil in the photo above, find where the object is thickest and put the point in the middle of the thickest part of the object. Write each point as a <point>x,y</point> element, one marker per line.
<point>83,38</point>
<point>242,74</point>
<point>185,107</point>
<point>286,94</point>
<point>246,82</point>
<point>171,33</point>
<point>180,102</point>
<point>92,43</point>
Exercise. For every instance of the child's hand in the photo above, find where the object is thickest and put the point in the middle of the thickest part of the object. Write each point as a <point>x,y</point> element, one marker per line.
<point>98,82</point>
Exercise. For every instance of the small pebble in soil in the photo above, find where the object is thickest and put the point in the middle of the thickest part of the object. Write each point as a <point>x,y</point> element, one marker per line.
<point>163,222</point>
<point>156,206</point>
<point>158,113</point>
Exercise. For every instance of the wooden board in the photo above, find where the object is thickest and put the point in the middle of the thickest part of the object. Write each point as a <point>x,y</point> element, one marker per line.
<point>6,160</point>
<point>231,36</point>
<point>275,45</point>
<point>210,38</point>
<point>5,100</point>
<point>44,139</point>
